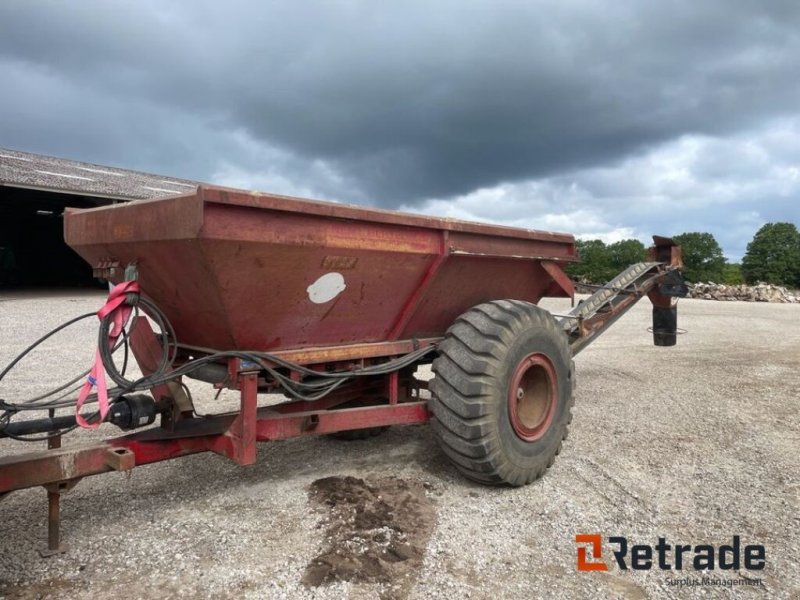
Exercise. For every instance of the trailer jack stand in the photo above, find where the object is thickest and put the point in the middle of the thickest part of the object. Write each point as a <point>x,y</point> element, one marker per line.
<point>54,491</point>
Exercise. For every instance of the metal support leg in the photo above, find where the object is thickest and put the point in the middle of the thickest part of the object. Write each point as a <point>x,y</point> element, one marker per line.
<point>244,427</point>
<point>54,545</point>
<point>239,442</point>
<point>394,387</point>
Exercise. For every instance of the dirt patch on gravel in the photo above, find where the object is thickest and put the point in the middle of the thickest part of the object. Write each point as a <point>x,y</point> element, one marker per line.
<point>376,531</point>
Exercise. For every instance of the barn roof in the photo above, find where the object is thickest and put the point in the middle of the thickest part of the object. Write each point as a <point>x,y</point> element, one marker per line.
<point>48,173</point>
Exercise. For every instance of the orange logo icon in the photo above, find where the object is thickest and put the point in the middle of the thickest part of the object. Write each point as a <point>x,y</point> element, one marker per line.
<point>596,541</point>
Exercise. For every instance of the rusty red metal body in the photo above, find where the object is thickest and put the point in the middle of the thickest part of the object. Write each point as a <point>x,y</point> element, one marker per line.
<point>232,270</point>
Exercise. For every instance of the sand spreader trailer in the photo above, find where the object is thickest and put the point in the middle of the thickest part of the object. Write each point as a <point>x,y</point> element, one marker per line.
<point>335,307</point>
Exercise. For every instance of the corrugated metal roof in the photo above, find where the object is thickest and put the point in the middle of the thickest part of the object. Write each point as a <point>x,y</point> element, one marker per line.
<point>35,171</point>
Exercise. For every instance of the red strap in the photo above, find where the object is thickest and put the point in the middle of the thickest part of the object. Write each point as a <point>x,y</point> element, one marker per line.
<point>97,377</point>
<point>120,313</point>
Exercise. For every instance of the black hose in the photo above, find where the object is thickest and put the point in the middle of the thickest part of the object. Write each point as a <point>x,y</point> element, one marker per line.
<point>167,357</point>
<point>46,336</point>
<point>318,385</point>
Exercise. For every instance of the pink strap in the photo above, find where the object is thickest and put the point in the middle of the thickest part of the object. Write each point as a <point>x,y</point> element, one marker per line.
<point>120,312</point>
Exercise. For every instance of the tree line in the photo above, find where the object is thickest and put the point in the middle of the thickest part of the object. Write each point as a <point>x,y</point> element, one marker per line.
<point>773,256</point>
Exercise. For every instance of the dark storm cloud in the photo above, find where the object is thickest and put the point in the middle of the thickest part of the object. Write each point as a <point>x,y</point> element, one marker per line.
<point>408,101</point>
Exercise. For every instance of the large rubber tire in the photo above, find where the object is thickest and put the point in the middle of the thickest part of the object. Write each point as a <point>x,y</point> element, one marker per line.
<point>490,436</point>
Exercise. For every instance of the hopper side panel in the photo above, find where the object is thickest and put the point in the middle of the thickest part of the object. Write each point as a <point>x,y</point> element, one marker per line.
<point>268,265</point>
<point>466,281</point>
<point>180,217</point>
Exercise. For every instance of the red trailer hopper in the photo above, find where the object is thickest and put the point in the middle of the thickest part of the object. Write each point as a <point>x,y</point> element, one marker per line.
<point>334,306</point>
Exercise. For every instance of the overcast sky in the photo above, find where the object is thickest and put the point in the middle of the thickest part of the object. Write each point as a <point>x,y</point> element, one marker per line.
<point>604,119</point>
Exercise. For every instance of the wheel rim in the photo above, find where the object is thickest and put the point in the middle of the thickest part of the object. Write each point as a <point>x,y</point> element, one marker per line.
<point>532,397</point>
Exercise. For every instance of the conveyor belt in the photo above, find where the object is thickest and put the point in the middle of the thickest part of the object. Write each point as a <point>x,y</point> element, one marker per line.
<point>607,294</point>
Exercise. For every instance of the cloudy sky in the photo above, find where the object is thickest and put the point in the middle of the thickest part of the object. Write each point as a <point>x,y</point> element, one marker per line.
<point>605,119</point>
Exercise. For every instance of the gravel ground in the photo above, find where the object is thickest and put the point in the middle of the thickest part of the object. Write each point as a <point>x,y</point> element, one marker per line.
<point>696,443</point>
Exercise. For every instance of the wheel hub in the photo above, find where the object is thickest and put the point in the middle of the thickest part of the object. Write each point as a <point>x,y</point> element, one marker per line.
<point>532,397</point>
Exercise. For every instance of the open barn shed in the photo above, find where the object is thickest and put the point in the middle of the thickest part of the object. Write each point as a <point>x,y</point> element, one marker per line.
<point>35,190</point>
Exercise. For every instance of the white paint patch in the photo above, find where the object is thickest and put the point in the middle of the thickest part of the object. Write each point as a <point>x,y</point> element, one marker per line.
<point>326,288</point>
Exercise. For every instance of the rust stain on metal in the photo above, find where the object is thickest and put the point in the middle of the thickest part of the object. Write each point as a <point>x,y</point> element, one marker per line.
<point>120,459</point>
<point>122,231</point>
<point>339,263</point>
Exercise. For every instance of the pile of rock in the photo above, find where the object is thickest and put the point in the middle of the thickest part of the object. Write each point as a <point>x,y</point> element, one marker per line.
<point>763,292</point>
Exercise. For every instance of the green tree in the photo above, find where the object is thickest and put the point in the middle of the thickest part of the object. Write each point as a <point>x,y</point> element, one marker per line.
<point>623,254</point>
<point>595,265</point>
<point>702,257</point>
<point>773,255</point>
<point>732,274</point>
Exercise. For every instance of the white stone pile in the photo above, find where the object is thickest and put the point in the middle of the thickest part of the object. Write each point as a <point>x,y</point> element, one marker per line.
<point>762,292</point>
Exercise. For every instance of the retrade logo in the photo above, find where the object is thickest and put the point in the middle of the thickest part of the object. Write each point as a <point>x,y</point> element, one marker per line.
<point>667,557</point>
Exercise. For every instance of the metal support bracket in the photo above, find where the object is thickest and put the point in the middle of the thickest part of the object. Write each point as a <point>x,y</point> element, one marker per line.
<point>120,459</point>
<point>239,441</point>
<point>147,351</point>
